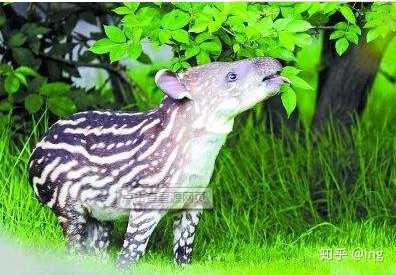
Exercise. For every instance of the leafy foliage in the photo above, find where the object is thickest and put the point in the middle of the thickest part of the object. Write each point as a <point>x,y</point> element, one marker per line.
<point>381,20</point>
<point>38,91</point>
<point>203,32</point>
<point>39,53</point>
<point>41,56</point>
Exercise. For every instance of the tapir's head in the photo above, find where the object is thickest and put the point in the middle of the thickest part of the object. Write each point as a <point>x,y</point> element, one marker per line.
<point>224,88</point>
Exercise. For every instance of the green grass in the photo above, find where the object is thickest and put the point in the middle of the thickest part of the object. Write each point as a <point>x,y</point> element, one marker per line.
<point>277,202</point>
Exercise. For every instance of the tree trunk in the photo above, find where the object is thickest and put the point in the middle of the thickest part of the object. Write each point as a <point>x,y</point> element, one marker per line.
<point>345,81</point>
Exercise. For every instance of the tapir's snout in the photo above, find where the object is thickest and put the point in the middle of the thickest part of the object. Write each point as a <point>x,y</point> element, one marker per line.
<point>269,69</point>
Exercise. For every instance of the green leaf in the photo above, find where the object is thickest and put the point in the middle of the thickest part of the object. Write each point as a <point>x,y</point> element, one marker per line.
<point>281,53</point>
<point>11,84</point>
<point>183,6</point>
<point>290,71</point>
<point>118,52</point>
<point>341,45</point>
<point>2,20</point>
<point>26,71</point>
<point>301,7</point>
<point>25,57</point>
<point>330,7</point>
<point>315,8</point>
<point>5,105</point>
<point>54,89</point>
<point>5,68</point>
<point>134,50</point>
<point>148,16</point>
<point>191,51</point>
<point>33,29</point>
<point>214,26</point>
<point>132,6</point>
<point>237,24</point>
<point>61,49</point>
<point>180,36</point>
<point>202,58</point>
<point>347,12</point>
<point>211,47</point>
<point>103,45</point>
<point>17,39</point>
<point>303,39</point>
<point>287,40</point>
<point>34,45</point>
<point>373,34</point>
<point>298,26</point>
<point>35,84</point>
<point>337,34</point>
<point>133,33</point>
<point>21,78</point>
<point>61,105</point>
<point>33,103</point>
<point>175,65</point>
<point>299,83</point>
<point>236,47</point>
<point>122,10</point>
<point>289,99</point>
<point>185,65</point>
<point>341,26</point>
<point>282,23</point>
<point>164,36</point>
<point>199,27</point>
<point>225,37</point>
<point>175,20</point>
<point>355,29</point>
<point>132,21</point>
<point>203,37</point>
<point>115,34</point>
<point>353,37</point>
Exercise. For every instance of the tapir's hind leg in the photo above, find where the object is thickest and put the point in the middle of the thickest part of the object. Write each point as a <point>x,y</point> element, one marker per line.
<point>74,223</point>
<point>97,235</point>
<point>83,233</point>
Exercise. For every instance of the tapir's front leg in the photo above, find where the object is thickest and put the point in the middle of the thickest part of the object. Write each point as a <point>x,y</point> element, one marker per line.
<point>183,231</point>
<point>140,226</point>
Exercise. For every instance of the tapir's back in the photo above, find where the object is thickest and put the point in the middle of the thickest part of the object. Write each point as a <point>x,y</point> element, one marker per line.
<point>90,153</point>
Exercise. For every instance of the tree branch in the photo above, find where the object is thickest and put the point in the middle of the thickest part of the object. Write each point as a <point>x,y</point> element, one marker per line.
<point>107,67</point>
<point>324,27</point>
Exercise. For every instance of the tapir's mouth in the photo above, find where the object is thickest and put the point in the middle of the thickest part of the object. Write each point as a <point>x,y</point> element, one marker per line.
<point>271,76</point>
<point>276,76</point>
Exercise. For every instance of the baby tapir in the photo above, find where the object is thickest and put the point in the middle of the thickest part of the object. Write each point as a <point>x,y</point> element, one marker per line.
<point>83,162</point>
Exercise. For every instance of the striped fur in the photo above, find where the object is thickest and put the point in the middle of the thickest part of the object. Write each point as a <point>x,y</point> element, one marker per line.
<point>79,168</point>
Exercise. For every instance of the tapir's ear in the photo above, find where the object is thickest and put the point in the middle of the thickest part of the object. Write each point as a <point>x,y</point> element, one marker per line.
<point>171,85</point>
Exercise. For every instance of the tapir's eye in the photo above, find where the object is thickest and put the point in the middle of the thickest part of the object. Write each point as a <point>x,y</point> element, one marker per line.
<point>232,76</point>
